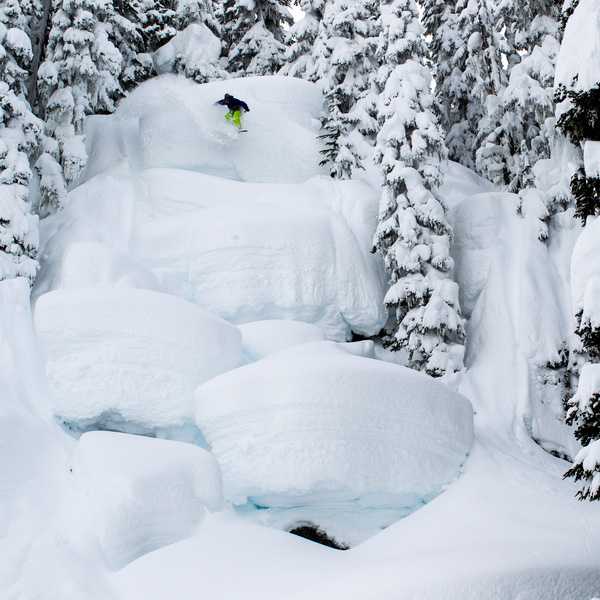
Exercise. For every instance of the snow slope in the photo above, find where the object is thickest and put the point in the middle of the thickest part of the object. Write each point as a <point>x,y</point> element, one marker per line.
<point>508,528</point>
<point>165,173</point>
<point>245,225</point>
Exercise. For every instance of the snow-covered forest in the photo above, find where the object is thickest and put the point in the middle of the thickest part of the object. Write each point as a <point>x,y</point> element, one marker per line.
<point>299,299</point>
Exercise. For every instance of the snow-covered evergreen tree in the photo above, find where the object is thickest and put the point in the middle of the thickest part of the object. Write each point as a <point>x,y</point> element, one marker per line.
<point>413,234</point>
<point>162,19</point>
<point>235,19</point>
<point>578,78</point>
<point>348,31</point>
<point>130,21</point>
<point>568,9</point>
<point>300,59</point>
<point>519,125</point>
<point>578,97</point>
<point>469,51</point>
<point>79,76</point>
<point>196,11</point>
<point>20,135</point>
<point>158,22</point>
<point>254,32</point>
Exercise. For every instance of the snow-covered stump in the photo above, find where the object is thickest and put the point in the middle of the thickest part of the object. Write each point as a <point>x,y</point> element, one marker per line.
<point>142,493</point>
<point>320,434</point>
<point>130,359</point>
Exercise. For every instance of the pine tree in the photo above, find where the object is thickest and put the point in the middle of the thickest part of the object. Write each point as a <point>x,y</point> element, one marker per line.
<point>20,136</point>
<point>159,23</point>
<point>413,234</point>
<point>469,50</point>
<point>348,32</point>
<point>129,22</point>
<point>80,75</point>
<point>300,60</point>
<point>579,120</point>
<point>200,64</point>
<point>519,127</point>
<point>254,32</point>
<point>580,123</point>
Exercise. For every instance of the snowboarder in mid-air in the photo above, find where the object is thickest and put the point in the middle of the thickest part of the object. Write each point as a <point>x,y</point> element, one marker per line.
<point>236,107</point>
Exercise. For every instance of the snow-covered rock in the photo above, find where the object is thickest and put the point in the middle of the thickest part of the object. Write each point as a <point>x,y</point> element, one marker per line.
<point>247,228</point>
<point>318,423</point>
<point>196,43</point>
<point>180,126</point>
<point>143,493</point>
<point>119,357</point>
<point>261,338</point>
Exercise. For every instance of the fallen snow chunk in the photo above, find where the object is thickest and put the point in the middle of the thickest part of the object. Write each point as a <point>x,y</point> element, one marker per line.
<point>316,424</point>
<point>261,338</point>
<point>118,356</point>
<point>143,493</point>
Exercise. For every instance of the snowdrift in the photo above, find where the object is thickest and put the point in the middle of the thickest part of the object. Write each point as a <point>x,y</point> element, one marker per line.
<point>320,424</point>
<point>244,225</point>
<point>123,358</point>
<point>143,493</point>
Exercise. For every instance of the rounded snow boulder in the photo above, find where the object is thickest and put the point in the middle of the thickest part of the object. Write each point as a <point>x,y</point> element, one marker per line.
<point>322,423</point>
<point>142,493</point>
<point>119,358</point>
<point>261,338</point>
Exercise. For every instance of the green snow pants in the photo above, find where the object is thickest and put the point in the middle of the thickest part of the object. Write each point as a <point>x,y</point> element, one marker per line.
<point>235,116</point>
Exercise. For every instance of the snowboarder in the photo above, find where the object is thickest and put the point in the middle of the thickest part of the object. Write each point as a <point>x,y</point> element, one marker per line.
<point>235,107</point>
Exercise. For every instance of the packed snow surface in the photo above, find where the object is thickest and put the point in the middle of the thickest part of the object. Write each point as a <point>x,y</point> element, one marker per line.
<point>119,355</point>
<point>318,421</point>
<point>261,338</point>
<point>143,493</point>
<point>244,225</point>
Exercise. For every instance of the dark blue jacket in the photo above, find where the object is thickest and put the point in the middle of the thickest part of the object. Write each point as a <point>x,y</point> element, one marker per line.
<point>233,104</point>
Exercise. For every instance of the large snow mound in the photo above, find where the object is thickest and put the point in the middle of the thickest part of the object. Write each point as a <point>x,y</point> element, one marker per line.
<point>161,213</point>
<point>129,356</point>
<point>143,493</point>
<point>171,121</point>
<point>261,338</point>
<point>317,421</point>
